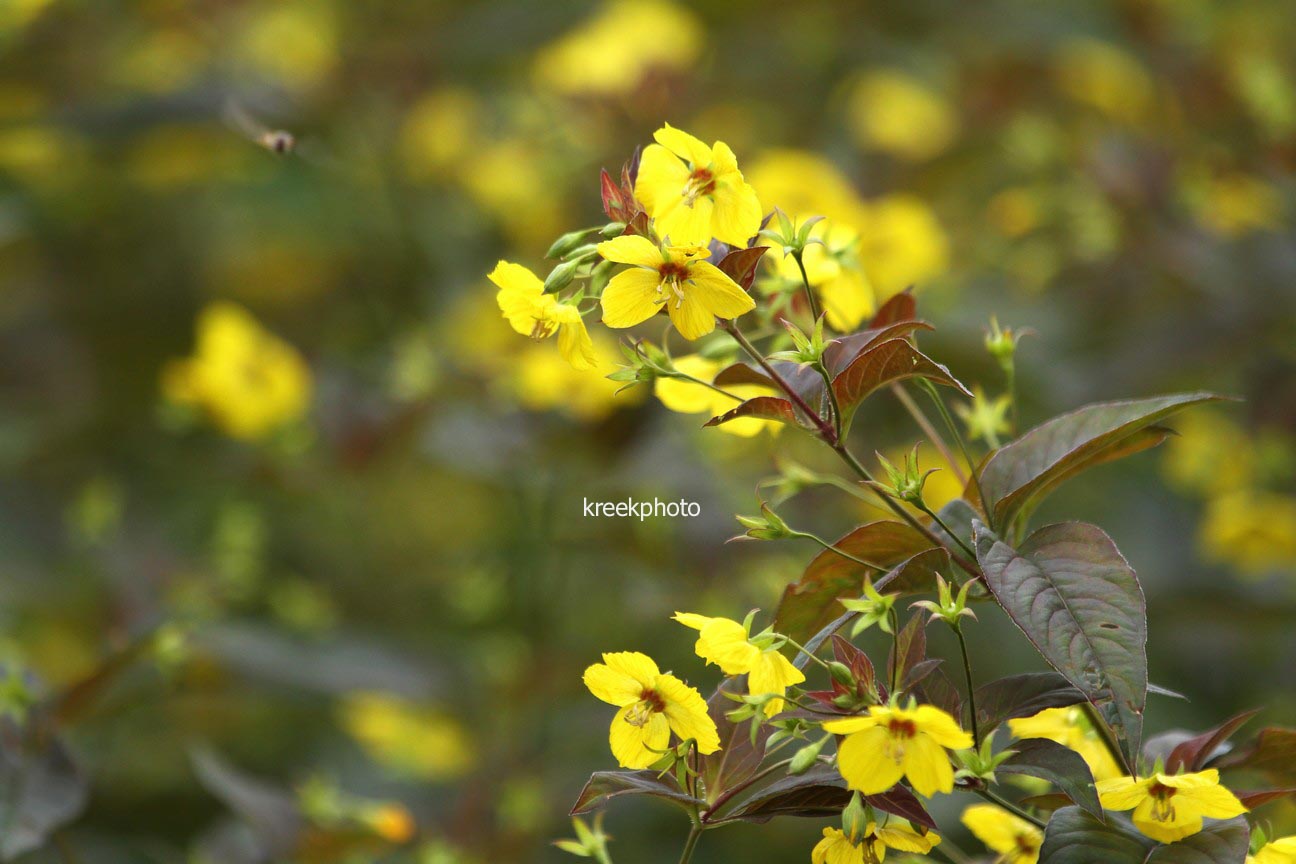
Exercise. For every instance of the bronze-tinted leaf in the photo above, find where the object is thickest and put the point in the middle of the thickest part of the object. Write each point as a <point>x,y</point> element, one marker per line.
<point>818,793</point>
<point>1061,766</point>
<point>1078,601</point>
<point>1023,470</point>
<point>900,307</point>
<point>603,786</point>
<point>740,265</point>
<point>1076,837</point>
<point>761,408</point>
<point>1273,753</point>
<point>1022,695</point>
<point>1193,754</point>
<point>883,363</point>
<point>811,602</point>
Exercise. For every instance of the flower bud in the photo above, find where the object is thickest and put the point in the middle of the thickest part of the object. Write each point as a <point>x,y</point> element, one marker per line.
<point>568,242</point>
<point>561,276</point>
<point>804,759</point>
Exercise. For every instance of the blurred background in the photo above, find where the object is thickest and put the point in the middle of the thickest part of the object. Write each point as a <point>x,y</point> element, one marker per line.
<point>276,474</point>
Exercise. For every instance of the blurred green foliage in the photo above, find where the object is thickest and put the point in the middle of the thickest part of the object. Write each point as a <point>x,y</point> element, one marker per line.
<point>375,605</point>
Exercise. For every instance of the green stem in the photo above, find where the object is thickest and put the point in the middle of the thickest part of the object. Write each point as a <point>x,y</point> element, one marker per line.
<point>930,431</point>
<point>963,448</point>
<point>809,292</point>
<point>831,548</point>
<point>1011,375</point>
<point>895,650</point>
<point>839,420</point>
<point>941,522</point>
<point>720,390</point>
<point>1010,807</point>
<point>825,430</point>
<point>806,652</point>
<point>695,834</point>
<point>971,688</point>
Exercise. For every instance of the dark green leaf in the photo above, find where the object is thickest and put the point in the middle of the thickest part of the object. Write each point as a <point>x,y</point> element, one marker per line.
<point>1027,468</point>
<point>1075,837</point>
<point>1079,602</point>
<point>819,792</point>
<point>603,786</point>
<point>1022,695</point>
<point>1061,766</point>
<point>909,650</point>
<point>739,758</point>
<point>810,603</point>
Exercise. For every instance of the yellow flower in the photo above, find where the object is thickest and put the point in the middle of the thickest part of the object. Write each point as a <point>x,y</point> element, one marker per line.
<point>694,292</point>
<point>1252,530</point>
<point>1106,77</point>
<point>902,244</point>
<point>837,847</point>
<point>894,742</point>
<point>689,397</point>
<point>833,270</point>
<point>652,706</point>
<point>247,379</point>
<point>1016,840</point>
<point>1170,807</point>
<point>1070,728</point>
<point>612,54</point>
<point>534,313</point>
<point>727,644</point>
<point>406,738</point>
<point>896,113</point>
<point>695,192</point>
<point>1275,852</point>
<point>986,418</point>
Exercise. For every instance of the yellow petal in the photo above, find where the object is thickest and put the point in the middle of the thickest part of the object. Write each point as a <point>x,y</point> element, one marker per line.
<point>691,318</point>
<point>849,725</point>
<point>997,828</point>
<point>1184,824</point>
<point>632,249</point>
<point>927,766</point>
<point>630,298</point>
<point>847,300</point>
<point>724,643</point>
<point>686,712</point>
<point>638,666</point>
<point>772,673</point>
<point>908,840</point>
<point>941,727</point>
<point>683,145</point>
<point>519,292</point>
<point>574,341</point>
<point>1122,793</point>
<point>865,760</point>
<point>689,397</point>
<point>717,292</point>
<point>622,679</point>
<point>661,180</point>
<point>1215,802</point>
<point>692,619</point>
<point>836,848</point>
<point>686,222</point>
<point>638,746</point>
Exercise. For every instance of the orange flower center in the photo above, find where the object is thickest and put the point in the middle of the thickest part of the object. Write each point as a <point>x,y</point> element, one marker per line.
<point>701,182</point>
<point>1162,809</point>
<point>673,275</point>
<point>650,702</point>
<point>902,728</point>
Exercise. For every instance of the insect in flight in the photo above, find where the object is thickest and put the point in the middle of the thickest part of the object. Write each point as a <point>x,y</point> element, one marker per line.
<point>278,141</point>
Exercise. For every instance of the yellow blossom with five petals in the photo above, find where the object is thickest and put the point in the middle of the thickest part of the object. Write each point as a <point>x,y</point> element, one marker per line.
<point>1069,727</point>
<point>838,847</point>
<point>1281,851</point>
<point>532,312</point>
<point>653,705</point>
<point>694,192</point>
<point>693,291</point>
<point>1170,807</point>
<point>894,742</point>
<point>729,645</point>
<point>1016,840</point>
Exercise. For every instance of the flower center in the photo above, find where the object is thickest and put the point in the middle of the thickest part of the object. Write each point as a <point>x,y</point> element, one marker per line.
<point>902,728</point>
<point>701,182</point>
<point>1026,844</point>
<point>672,275</point>
<point>1162,809</point>
<point>650,702</point>
<point>542,329</point>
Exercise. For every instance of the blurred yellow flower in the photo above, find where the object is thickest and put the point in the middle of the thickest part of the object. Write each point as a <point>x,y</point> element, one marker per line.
<point>36,155</point>
<point>510,180</point>
<point>392,822</point>
<point>1282,851</point>
<point>293,42</point>
<point>694,192</point>
<point>727,644</point>
<point>249,381</point>
<point>541,380</point>
<point>409,739</point>
<point>902,244</point>
<point>1071,728</point>
<point>162,61</point>
<point>1170,807</point>
<point>16,14</point>
<point>1251,530</point>
<point>833,269</point>
<point>1014,212</point>
<point>689,397</point>
<point>837,847</point>
<point>694,292</point>
<point>1210,455</point>
<point>894,742</point>
<point>1234,204</point>
<point>440,130</point>
<point>178,155</point>
<point>1105,77</point>
<point>652,706</point>
<point>898,114</point>
<point>619,47</point>
<point>805,183</point>
<point>984,417</point>
<point>1016,840</point>
<point>532,312</point>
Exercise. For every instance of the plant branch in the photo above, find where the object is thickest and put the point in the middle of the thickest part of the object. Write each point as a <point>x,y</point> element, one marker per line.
<point>971,688</point>
<point>929,430</point>
<point>1010,807</point>
<point>825,430</point>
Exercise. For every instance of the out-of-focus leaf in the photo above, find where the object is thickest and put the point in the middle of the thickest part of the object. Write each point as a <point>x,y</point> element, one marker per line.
<point>909,650</point>
<point>603,786</point>
<point>1257,797</point>
<point>41,789</point>
<point>811,602</point>
<point>1158,690</point>
<point>892,360</point>
<point>762,408</point>
<point>740,265</point>
<point>1022,695</point>
<point>1273,753</point>
<point>817,793</point>
<point>1023,470</point>
<point>272,813</point>
<point>1080,604</point>
<point>1048,802</point>
<point>1075,837</point>
<point>1192,754</point>
<point>1061,766</point>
